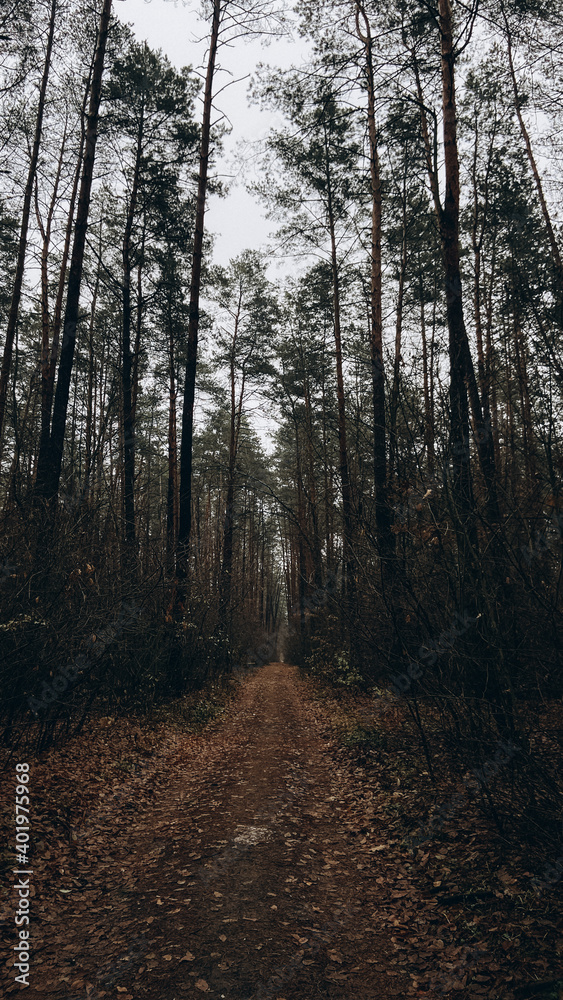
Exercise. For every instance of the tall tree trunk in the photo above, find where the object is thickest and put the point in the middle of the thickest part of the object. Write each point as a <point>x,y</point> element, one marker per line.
<point>22,245</point>
<point>328,480</point>
<point>45,311</point>
<point>20,432</point>
<point>186,455</point>
<point>449,232</point>
<point>302,565</point>
<point>383,514</point>
<point>49,472</point>
<point>225,584</point>
<point>312,492</point>
<point>349,580</point>
<point>427,381</point>
<point>476,240</point>
<point>172,486</point>
<point>50,364</point>
<point>140,307</point>
<point>554,246</point>
<point>463,382</point>
<point>127,362</point>
<point>394,401</point>
<point>460,355</point>
<point>490,356</point>
<point>528,441</point>
<point>90,415</point>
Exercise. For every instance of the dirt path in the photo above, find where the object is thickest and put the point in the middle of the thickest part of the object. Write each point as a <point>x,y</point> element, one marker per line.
<point>241,882</point>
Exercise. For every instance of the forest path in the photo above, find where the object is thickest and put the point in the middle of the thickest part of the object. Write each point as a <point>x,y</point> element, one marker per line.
<point>242,880</point>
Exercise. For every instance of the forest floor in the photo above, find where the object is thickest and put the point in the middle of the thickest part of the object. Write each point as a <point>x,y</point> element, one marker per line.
<point>261,859</point>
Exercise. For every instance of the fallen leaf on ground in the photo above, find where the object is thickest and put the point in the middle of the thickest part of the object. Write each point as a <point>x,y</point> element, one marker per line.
<point>335,957</point>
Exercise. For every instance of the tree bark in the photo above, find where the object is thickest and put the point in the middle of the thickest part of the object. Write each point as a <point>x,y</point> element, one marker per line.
<point>449,232</point>
<point>383,515</point>
<point>395,389</point>
<point>349,580</point>
<point>554,246</point>
<point>427,382</point>
<point>45,231</point>
<point>22,246</point>
<point>463,383</point>
<point>49,472</point>
<point>312,492</point>
<point>193,323</point>
<point>127,363</point>
<point>225,584</point>
<point>50,364</point>
<point>172,485</point>
<point>90,416</point>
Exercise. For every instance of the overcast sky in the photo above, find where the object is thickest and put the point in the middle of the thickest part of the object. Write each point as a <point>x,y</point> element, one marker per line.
<point>237,221</point>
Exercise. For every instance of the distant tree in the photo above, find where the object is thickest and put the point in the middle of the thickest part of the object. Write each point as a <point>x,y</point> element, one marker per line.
<point>318,154</point>
<point>229,21</point>
<point>246,324</point>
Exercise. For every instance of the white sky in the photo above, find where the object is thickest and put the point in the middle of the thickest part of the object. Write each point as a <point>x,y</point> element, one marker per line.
<point>238,221</point>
